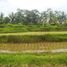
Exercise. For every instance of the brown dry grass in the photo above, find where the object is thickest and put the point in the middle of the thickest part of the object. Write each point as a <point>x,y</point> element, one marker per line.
<point>33,46</point>
<point>32,65</point>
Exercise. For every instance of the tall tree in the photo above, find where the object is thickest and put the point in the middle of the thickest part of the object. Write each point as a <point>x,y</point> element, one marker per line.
<point>44,17</point>
<point>50,16</point>
<point>1,18</point>
<point>12,17</point>
<point>6,20</point>
<point>19,16</point>
<point>35,16</point>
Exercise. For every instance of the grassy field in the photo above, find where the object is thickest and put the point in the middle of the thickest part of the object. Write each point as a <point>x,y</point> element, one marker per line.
<point>33,60</point>
<point>32,37</point>
<point>16,28</point>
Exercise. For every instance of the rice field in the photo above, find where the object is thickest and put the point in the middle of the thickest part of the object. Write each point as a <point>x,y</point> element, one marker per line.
<point>18,44</point>
<point>34,42</point>
<point>33,46</point>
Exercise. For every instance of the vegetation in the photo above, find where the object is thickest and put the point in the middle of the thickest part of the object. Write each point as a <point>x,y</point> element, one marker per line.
<point>17,28</point>
<point>32,30</point>
<point>31,47</point>
<point>34,17</point>
<point>37,59</point>
<point>33,37</point>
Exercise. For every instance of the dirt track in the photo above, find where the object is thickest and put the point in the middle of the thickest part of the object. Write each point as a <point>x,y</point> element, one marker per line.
<point>34,33</point>
<point>35,51</point>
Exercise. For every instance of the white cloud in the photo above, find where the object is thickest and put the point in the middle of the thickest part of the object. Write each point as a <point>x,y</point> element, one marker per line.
<point>3,0</point>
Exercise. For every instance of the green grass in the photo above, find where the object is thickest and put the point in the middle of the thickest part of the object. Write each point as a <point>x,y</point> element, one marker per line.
<point>33,58</point>
<point>33,37</point>
<point>15,28</point>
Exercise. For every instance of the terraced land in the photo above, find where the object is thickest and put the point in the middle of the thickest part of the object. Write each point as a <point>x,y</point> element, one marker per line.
<point>33,49</point>
<point>33,41</point>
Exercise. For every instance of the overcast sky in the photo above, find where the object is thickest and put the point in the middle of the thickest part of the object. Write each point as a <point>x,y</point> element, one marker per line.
<point>7,6</point>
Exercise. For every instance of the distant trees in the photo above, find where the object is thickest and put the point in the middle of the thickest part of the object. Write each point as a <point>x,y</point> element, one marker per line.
<point>12,17</point>
<point>6,20</point>
<point>19,16</point>
<point>34,17</point>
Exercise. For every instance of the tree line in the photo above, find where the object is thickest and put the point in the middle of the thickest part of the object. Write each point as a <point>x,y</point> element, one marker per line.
<point>34,17</point>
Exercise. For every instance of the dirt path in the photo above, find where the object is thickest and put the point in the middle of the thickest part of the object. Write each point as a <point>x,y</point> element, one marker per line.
<point>35,51</point>
<point>34,33</point>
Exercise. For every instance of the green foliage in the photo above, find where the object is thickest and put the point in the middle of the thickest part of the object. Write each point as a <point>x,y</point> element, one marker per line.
<point>34,17</point>
<point>37,59</point>
<point>32,38</point>
<point>14,28</point>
